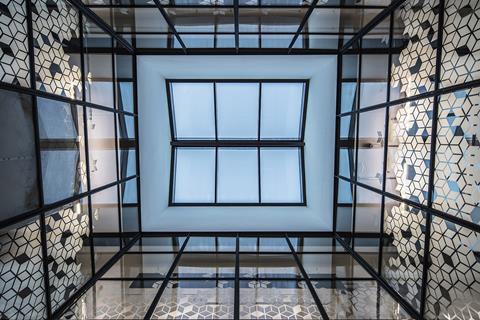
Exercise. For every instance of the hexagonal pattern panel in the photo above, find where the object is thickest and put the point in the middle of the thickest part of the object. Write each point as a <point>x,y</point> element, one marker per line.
<point>69,262</point>
<point>56,29</point>
<point>454,273</point>
<point>14,64</point>
<point>461,42</point>
<point>22,290</point>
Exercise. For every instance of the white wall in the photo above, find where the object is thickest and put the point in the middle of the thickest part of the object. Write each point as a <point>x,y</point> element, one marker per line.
<point>154,139</point>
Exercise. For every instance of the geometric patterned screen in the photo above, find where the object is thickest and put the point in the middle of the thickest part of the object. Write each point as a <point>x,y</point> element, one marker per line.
<point>56,158</point>
<point>452,286</point>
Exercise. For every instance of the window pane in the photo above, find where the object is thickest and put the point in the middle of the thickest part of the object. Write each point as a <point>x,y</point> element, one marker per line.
<point>124,82</point>
<point>368,211</point>
<point>101,145</point>
<point>62,144</point>
<point>281,116</point>
<point>105,210</point>
<point>237,175</point>
<point>281,179</point>
<point>18,183</point>
<point>194,175</point>
<point>193,110</point>
<point>371,148</point>
<point>374,83</point>
<point>237,110</point>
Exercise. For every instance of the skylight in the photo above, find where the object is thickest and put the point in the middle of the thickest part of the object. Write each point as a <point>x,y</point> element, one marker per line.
<point>237,142</point>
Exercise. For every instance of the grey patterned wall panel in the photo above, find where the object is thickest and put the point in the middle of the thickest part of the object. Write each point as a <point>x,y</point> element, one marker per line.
<point>14,65</point>
<point>461,42</point>
<point>69,259</point>
<point>454,274</point>
<point>56,28</point>
<point>457,173</point>
<point>22,290</point>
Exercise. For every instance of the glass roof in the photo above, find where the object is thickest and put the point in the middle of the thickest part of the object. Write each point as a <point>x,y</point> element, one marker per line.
<point>237,141</point>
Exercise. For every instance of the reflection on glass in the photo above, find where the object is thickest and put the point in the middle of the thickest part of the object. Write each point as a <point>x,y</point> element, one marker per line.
<point>124,82</point>
<point>269,266</point>
<point>237,179</point>
<point>195,265</point>
<point>345,206</point>
<point>101,147</point>
<point>370,146</point>
<point>193,110</point>
<point>367,210</point>
<point>161,244</point>
<point>368,249</point>
<point>62,144</point>
<point>379,36</point>
<point>211,244</point>
<point>311,244</point>
<point>18,183</point>
<point>104,249</point>
<point>129,201</point>
<point>105,210</point>
<point>280,175</point>
<point>68,249</point>
<point>282,110</point>
<point>141,266</point>
<point>338,265</point>
<point>374,80</point>
<point>117,299</point>
<point>126,143</point>
<point>263,244</point>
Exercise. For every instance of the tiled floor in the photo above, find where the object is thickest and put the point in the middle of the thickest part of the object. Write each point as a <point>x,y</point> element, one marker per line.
<point>204,281</point>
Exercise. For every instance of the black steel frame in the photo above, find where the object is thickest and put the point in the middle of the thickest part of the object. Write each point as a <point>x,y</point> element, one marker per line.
<point>254,143</point>
<point>337,248</point>
<point>118,46</point>
<point>348,240</point>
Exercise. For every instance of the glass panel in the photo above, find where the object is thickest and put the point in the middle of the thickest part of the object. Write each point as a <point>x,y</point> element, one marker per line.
<point>281,180</point>
<point>68,249</point>
<point>141,266</point>
<point>276,40</point>
<point>349,82</point>
<point>368,249</point>
<point>124,82</point>
<point>195,41</point>
<point>317,41</point>
<point>275,20</point>
<point>22,290</point>
<point>454,272</point>
<point>409,138</point>
<point>269,266</point>
<point>14,61</point>
<point>56,34</point>
<point>196,265</point>
<point>237,110</point>
<point>105,210</point>
<point>62,144</point>
<point>310,244</point>
<point>370,146</point>
<point>374,80</point>
<point>358,300</point>
<point>98,64</point>
<point>190,20</point>
<point>196,299</point>
<point>457,170</point>
<point>367,211</point>
<point>18,171</point>
<point>126,143</point>
<point>212,244</point>
<point>237,180</point>
<point>165,244</point>
<point>104,249</point>
<point>277,300</point>
<point>378,37</point>
<point>338,265</point>
<point>344,20</point>
<point>194,175</point>
<point>254,244</point>
<point>101,147</point>
<point>126,19</point>
<point>193,110</point>
<point>403,255</point>
<point>282,110</point>
<point>130,206</point>
<point>116,299</point>
<point>345,206</point>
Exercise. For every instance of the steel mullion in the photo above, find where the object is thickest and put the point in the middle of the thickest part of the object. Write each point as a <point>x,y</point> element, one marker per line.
<point>170,24</point>
<point>38,160</point>
<point>137,145</point>
<point>155,300</point>
<point>337,139</point>
<point>236,22</point>
<point>236,310</point>
<point>216,139</point>
<point>302,24</point>
<point>306,278</point>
